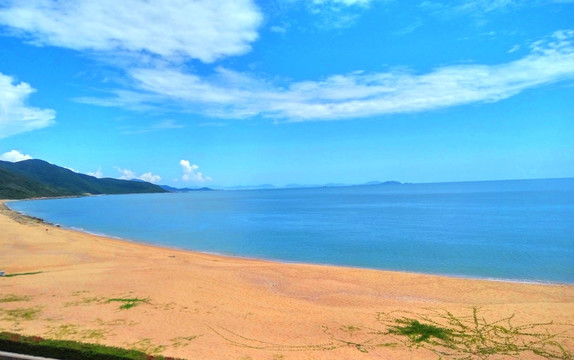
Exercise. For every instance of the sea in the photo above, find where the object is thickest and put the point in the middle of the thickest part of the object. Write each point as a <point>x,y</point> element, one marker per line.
<point>519,230</point>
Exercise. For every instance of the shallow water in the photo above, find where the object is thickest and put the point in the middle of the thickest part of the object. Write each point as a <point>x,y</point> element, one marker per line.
<point>513,230</point>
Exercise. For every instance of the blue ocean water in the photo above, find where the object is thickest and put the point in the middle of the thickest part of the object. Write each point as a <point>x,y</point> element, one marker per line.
<point>514,230</point>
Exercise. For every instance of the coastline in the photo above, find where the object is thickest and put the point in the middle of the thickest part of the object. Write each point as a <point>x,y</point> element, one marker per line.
<point>197,305</point>
<point>104,235</point>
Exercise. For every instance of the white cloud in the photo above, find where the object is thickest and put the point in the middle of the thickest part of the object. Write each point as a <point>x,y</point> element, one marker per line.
<point>230,94</point>
<point>191,174</point>
<point>15,116</point>
<point>14,156</point>
<point>127,174</point>
<point>149,177</point>
<point>98,173</point>
<point>201,29</point>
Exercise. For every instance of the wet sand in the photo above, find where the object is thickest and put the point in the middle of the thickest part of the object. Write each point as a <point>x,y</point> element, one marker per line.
<point>199,306</point>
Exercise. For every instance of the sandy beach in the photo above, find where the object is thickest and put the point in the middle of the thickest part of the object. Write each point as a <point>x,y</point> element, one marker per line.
<point>199,306</point>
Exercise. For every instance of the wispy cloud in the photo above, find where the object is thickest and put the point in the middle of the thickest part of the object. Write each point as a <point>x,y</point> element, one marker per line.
<point>231,94</point>
<point>163,125</point>
<point>470,7</point>
<point>204,30</point>
<point>338,14</point>
<point>15,115</point>
<point>409,28</point>
<point>14,156</point>
<point>343,2</point>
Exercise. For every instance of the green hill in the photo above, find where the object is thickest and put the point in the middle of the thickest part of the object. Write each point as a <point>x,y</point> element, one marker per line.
<point>38,178</point>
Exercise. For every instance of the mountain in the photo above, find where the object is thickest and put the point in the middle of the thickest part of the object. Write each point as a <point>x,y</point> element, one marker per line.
<point>38,178</point>
<point>14,186</point>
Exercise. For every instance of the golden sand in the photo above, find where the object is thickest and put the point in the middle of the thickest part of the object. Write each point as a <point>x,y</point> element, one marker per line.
<point>199,306</point>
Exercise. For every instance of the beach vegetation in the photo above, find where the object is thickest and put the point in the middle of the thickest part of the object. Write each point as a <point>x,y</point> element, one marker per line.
<point>474,337</point>
<point>128,303</point>
<point>350,329</point>
<point>449,336</point>
<point>125,302</point>
<point>14,298</point>
<point>146,346</point>
<point>183,341</point>
<point>86,301</point>
<point>24,314</point>
<point>22,274</point>
<point>70,350</point>
<point>418,332</point>
<point>67,331</point>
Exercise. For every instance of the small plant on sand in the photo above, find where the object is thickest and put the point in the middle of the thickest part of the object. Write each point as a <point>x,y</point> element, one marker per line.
<point>146,346</point>
<point>125,301</point>
<point>418,332</point>
<point>128,303</point>
<point>183,341</point>
<point>476,338</point>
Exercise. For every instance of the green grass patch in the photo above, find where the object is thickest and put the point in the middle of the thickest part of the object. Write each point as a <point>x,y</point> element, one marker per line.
<point>71,331</point>
<point>128,303</point>
<point>183,340</point>
<point>146,346</point>
<point>417,331</point>
<point>25,314</point>
<point>22,274</point>
<point>14,298</point>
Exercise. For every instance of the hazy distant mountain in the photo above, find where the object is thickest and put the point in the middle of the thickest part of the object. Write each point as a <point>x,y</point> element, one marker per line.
<point>301,186</point>
<point>383,183</point>
<point>174,189</point>
<point>252,187</point>
<point>295,186</point>
<point>38,178</point>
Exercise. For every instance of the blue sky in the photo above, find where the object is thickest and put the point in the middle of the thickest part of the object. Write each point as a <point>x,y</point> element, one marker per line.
<point>242,92</point>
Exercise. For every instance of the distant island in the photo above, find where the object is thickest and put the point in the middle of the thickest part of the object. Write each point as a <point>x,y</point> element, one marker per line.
<point>302,186</point>
<point>38,178</point>
<point>174,189</point>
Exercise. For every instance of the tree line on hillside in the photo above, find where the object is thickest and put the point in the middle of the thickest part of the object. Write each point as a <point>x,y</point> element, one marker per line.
<point>38,178</point>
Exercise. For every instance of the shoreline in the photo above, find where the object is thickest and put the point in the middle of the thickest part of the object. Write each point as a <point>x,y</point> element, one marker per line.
<point>196,305</point>
<point>278,261</point>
